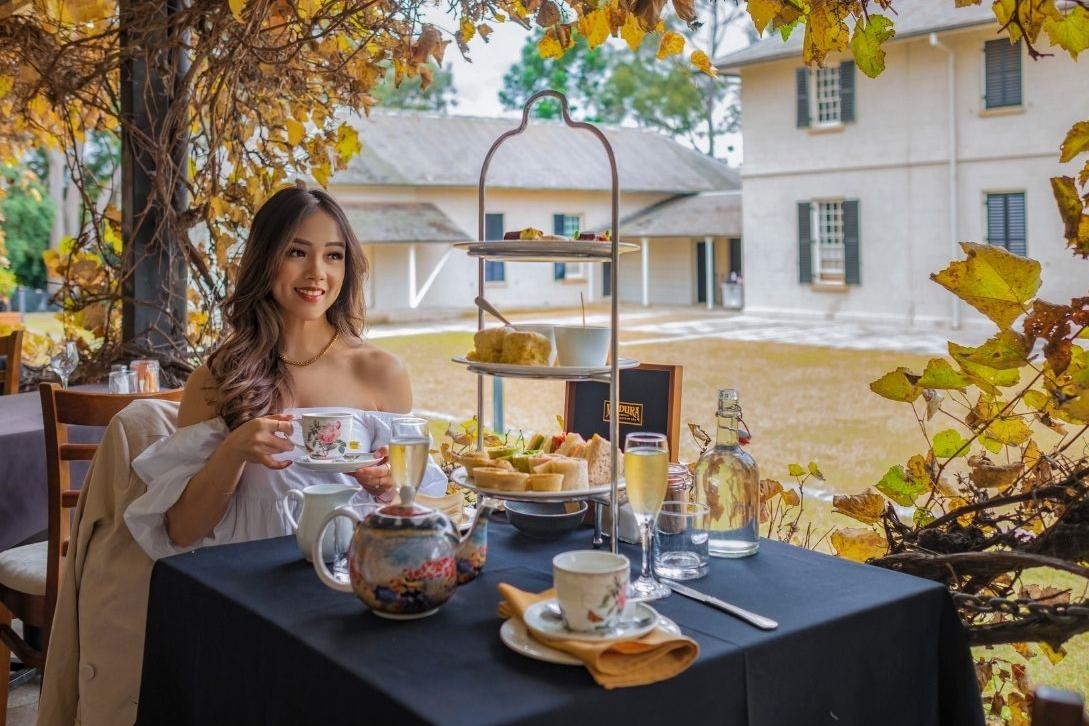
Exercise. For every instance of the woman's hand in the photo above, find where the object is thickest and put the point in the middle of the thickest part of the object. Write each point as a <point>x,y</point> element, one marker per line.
<point>256,440</point>
<point>376,480</point>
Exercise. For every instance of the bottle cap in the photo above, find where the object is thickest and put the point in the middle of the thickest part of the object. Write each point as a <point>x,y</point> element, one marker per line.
<point>727,398</point>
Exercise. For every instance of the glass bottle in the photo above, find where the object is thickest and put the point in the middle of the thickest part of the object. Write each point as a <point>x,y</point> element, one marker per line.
<point>728,483</point>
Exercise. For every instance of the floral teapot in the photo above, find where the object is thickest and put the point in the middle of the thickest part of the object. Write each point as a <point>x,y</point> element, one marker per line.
<point>405,560</point>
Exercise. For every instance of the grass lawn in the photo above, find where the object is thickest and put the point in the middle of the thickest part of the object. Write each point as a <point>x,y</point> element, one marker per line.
<point>801,403</point>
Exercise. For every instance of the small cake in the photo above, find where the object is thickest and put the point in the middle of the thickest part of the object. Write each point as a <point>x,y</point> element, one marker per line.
<point>488,345</point>
<point>502,480</point>
<point>525,348</point>
<point>544,483</point>
<point>479,459</point>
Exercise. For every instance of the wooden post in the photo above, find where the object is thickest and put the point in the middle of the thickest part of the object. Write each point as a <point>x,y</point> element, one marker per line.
<point>153,194</point>
<point>644,245</point>
<point>709,270</point>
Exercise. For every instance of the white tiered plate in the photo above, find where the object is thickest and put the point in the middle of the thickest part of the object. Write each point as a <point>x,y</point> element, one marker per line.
<point>508,370</point>
<point>544,250</point>
<point>337,466</point>
<point>460,477</point>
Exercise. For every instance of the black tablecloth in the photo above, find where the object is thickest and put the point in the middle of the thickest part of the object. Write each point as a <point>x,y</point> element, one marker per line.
<point>246,634</point>
<point>23,510</point>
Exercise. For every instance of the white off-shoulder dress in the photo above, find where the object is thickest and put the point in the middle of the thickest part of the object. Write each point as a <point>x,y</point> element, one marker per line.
<point>256,509</point>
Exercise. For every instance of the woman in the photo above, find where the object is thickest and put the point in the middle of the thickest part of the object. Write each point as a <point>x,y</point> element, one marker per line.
<point>293,346</point>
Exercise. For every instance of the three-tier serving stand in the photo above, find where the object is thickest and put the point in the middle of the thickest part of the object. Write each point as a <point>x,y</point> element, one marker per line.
<point>551,251</point>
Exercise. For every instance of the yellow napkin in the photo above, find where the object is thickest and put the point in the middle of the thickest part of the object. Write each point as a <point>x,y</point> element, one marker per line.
<point>656,656</point>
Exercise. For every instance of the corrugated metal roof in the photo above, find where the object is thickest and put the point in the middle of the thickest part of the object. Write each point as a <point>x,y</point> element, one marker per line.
<point>402,149</point>
<point>711,214</point>
<point>912,18</point>
<point>393,222</point>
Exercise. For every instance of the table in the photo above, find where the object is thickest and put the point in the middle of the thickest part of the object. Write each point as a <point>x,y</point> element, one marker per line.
<point>23,510</point>
<point>246,634</point>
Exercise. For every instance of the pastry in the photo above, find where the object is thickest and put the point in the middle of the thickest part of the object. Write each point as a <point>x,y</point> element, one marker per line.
<point>544,483</point>
<point>502,480</point>
<point>525,348</point>
<point>488,345</point>
<point>479,459</point>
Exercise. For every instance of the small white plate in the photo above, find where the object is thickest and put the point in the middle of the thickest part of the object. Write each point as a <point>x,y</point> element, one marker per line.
<point>337,466</point>
<point>511,370</point>
<point>515,636</point>
<point>460,477</point>
<point>540,620</point>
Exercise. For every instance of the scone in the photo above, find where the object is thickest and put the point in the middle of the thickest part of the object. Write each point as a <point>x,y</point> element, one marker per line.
<point>488,345</point>
<point>526,349</point>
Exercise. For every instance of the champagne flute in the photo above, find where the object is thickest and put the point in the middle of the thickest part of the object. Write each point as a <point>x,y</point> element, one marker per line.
<point>64,363</point>
<point>408,452</point>
<point>646,465</point>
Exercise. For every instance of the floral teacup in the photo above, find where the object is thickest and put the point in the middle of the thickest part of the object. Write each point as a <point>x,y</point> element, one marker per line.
<point>326,435</point>
<point>591,587</point>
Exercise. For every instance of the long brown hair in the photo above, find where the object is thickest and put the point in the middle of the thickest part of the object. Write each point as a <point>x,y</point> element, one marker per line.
<point>250,378</point>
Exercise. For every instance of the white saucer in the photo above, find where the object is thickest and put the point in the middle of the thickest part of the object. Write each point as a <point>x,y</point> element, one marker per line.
<point>337,466</point>
<point>515,636</point>
<point>539,620</point>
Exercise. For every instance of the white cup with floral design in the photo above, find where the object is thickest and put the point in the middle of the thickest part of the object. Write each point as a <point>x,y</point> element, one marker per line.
<point>326,435</point>
<point>591,588</point>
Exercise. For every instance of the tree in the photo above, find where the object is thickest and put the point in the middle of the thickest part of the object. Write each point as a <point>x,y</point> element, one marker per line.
<point>439,96</point>
<point>580,73</point>
<point>26,215</point>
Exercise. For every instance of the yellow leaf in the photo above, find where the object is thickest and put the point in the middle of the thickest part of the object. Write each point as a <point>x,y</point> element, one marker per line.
<point>866,507</point>
<point>632,32</point>
<point>1069,31</point>
<point>763,12</point>
<point>321,173</point>
<point>236,8</point>
<point>825,32</point>
<point>703,62</point>
<point>815,470</point>
<point>866,44</point>
<point>549,47</point>
<point>995,282</point>
<point>348,144</point>
<point>1011,431</point>
<point>6,83</point>
<point>295,132</point>
<point>595,26</point>
<point>795,470</point>
<point>468,30</point>
<point>790,498</point>
<point>1076,141</point>
<point>671,44</point>
<point>1053,655</point>
<point>858,543</point>
<point>485,30</point>
<point>307,8</point>
<point>897,385</point>
<point>1072,211</point>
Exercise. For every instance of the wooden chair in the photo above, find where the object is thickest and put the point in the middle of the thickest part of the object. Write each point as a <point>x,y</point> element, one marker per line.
<point>30,575</point>
<point>11,347</point>
<point>1053,707</point>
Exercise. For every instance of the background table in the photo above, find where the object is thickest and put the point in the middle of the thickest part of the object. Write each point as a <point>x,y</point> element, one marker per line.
<point>23,510</point>
<point>246,634</point>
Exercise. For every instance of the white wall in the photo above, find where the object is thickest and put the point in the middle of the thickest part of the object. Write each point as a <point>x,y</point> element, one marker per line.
<point>894,160</point>
<point>526,284</point>
<point>672,279</point>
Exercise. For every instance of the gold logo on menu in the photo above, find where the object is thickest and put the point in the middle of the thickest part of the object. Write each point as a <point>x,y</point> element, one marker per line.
<point>631,414</point>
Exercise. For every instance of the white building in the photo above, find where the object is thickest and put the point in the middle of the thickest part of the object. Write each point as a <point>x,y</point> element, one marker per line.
<point>856,189</point>
<point>412,193</point>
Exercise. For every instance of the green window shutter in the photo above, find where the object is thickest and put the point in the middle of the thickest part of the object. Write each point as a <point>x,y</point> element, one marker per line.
<point>805,242</point>
<point>847,91</point>
<point>851,262</point>
<point>559,269</point>
<point>493,230</point>
<point>1002,73</point>
<point>1006,222</point>
<point>802,82</point>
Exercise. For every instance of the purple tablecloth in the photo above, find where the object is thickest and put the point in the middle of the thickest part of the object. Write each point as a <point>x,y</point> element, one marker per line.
<point>23,510</point>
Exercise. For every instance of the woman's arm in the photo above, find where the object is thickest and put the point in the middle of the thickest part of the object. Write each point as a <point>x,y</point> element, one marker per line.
<point>206,496</point>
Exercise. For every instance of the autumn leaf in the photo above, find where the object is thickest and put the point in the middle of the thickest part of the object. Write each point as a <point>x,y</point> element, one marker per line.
<point>995,282</point>
<point>986,475</point>
<point>1070,31</point>
<point>632,32</point>
<point>795,470</point>
<point>825,32</point>
<point>703,62</point>
<point>899,487</point>
<point>866,44</point>
<point>671,44</point>
<point>763,12</point>
<point>769,488</point>
<point>236,8</point>
<point>1072,211</point>
<point>1076,141</point>
<point>940,375</point>
<point>815,470</point>
<point>949,443</point>
<point>595,26</point>
<point>1053,655</point>
<point>858,543</point>
<point>685,9</point>
<point>1004,351</point>
<point>295,131</point>
<point>549,47</point>
<point>790,497</point>
<point>1010,431</point>
<point>898,385</point>
<point>348,144</point>
<point>866,507</point>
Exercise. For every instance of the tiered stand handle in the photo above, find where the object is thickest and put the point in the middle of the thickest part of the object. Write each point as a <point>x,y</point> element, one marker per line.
<point>614,268</point>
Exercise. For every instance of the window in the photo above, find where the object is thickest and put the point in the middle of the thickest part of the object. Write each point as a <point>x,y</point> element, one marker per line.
<point>828,242</point>
<point>1006,221</point>
<point>567,225</point>
<point>493,229</point>
<point>1001,73</point>
<point>826,96</point>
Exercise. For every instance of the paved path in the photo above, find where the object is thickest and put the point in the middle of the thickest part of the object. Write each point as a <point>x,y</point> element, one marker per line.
<point>670,325</point>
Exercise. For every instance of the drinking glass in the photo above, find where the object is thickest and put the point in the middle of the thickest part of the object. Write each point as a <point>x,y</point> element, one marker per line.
<point>646,464</point>
<point>119,382</point>
<point>409,447</point>
<point>680,541</point>
<point>64,362</point>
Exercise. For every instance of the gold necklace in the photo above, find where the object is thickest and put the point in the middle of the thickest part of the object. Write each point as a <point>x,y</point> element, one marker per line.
<point>300,364</point>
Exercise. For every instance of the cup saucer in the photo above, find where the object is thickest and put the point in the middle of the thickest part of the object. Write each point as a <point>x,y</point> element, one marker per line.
<point>514,635</point>
<point>543,619</point>
<point>337,466</point>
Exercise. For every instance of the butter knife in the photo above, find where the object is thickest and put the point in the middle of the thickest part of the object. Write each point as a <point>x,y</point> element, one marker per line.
<point>752,618</point>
